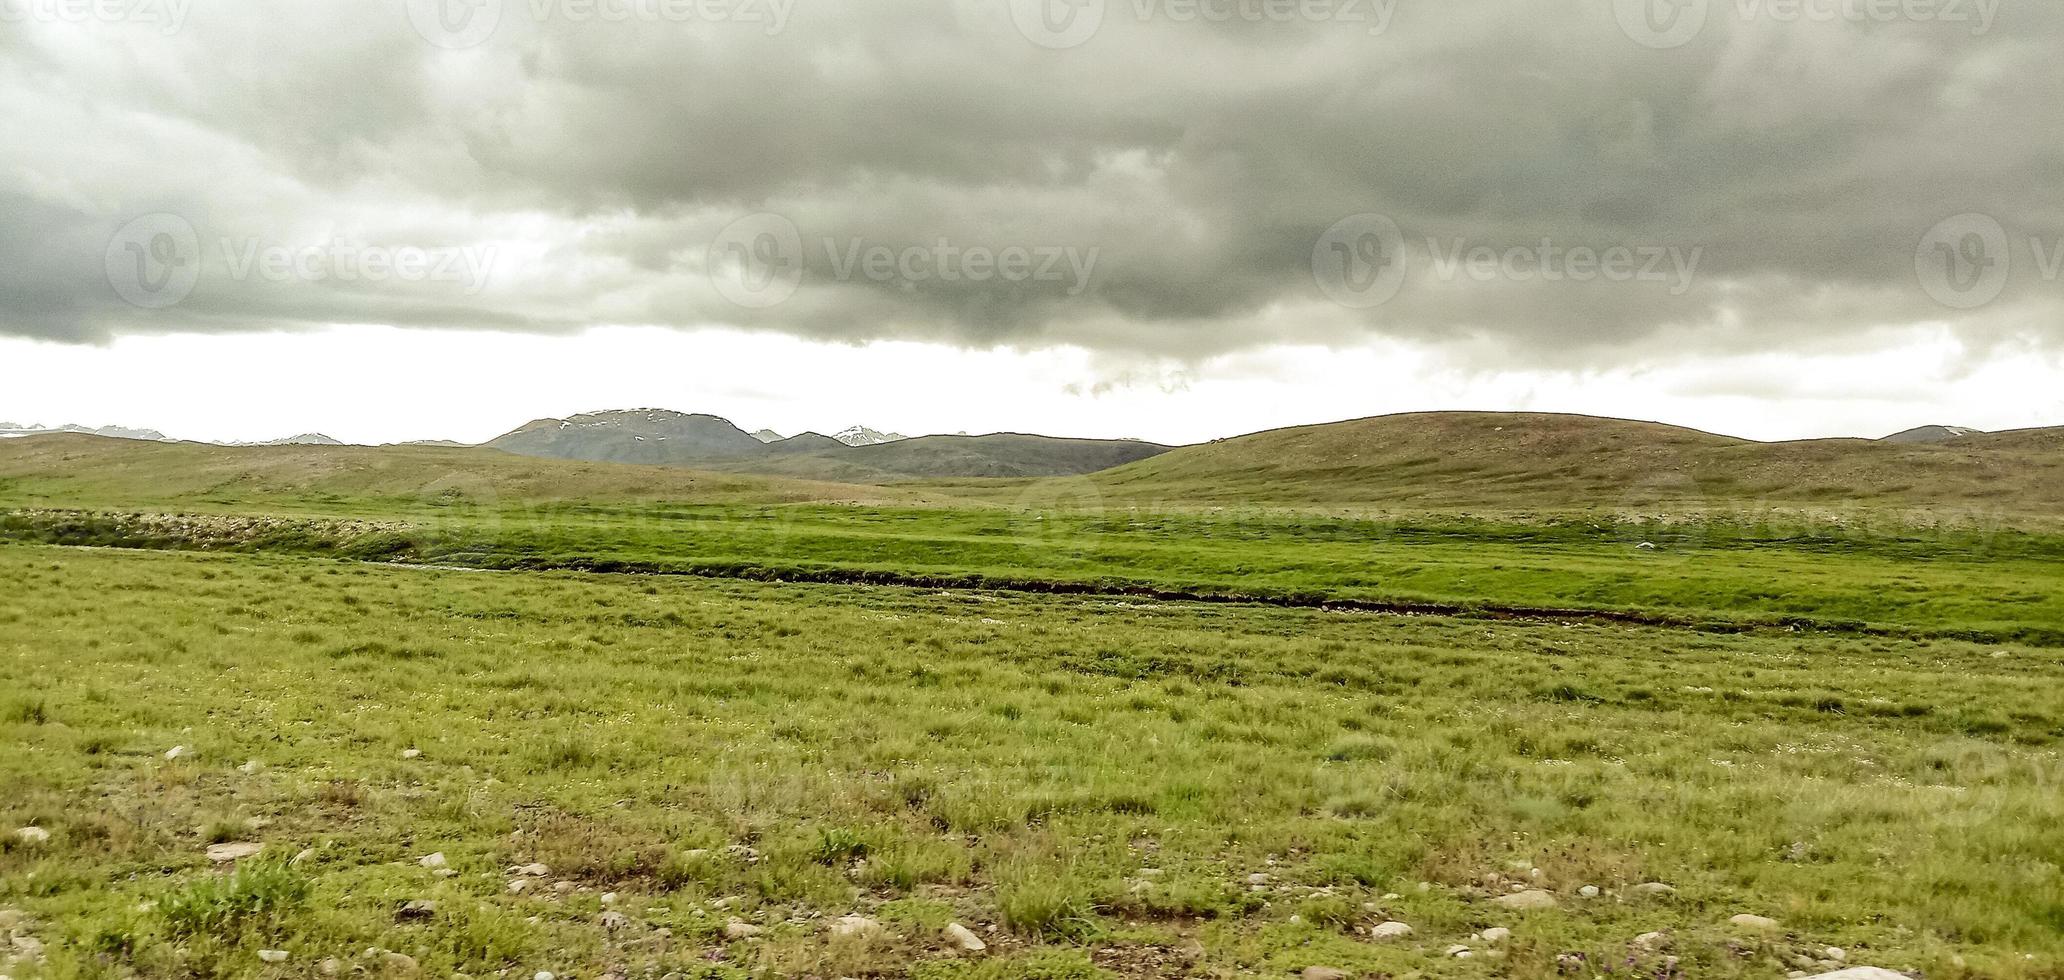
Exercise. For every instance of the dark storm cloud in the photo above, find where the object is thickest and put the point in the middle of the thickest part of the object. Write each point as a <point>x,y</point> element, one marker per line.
<point>1558,180</point>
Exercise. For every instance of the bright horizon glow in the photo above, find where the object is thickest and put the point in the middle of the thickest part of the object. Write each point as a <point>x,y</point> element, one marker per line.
<point>373,385</point>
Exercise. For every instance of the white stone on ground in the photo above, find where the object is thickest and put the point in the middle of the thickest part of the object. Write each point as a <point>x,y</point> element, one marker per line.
<point>1532,898</point>
<point>1496,934</point>
<point>854,925</point>
<point>1391,930</point>
<point>740,929</point>
<point>433,860</point>
<point>222,853</point>
<point>32,835</point>
<point>1756,922</point>
<point>273,955</point>
<point>965,938</point>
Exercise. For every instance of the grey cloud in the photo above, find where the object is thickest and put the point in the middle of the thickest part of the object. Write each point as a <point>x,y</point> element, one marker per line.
<point>1200,162</point>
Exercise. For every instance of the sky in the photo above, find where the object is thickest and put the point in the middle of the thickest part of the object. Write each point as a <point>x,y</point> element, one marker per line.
<point>1167,219</point>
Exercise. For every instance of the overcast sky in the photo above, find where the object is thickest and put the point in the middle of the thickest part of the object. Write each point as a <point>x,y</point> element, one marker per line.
<point>1176,219</point>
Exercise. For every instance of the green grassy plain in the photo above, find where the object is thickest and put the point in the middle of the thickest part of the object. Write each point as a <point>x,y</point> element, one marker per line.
<point>1115,736</point>
<point>1097,779</point>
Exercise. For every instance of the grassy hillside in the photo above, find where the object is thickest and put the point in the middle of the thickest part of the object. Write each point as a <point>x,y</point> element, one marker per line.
<point>653,436</point>
<point>981,457</point>
<point>1506,461</point>
<point>90,471</point>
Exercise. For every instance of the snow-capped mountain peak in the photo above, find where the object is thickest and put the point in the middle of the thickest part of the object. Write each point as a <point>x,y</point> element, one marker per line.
<point>861,435</point>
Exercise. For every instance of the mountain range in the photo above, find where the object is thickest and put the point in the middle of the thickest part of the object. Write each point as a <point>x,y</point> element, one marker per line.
<point>1436,462</point>
<point>857,455</point>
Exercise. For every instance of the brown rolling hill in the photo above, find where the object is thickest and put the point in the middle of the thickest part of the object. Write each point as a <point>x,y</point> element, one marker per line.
<point>1524,461</point>
<point>93,471</point>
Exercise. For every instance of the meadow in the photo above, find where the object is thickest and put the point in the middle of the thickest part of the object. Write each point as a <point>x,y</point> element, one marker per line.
<point>453,771</point>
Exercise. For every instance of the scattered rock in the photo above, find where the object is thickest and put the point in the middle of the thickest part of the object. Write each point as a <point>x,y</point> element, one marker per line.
<point>1861,973</point>
<point>1652,889</point>
<point>32,835</point>
<point>520,885</point>
<point>1496,934</point>
<point>399,962</point>
<point>965,938</point>
<point>612,921</point>
<point>543,975</point>
<point>609,898</point>
<point>563,887</point>
<point>433,860</point>
<point>417,910</point>
<point>1258,878</point>
<point>174,752</point>
<point>1652,940</point>
<point>251,768</point>
<point>1588,891</point>
<point>223,853</point>
<point>1756,922</point>
<point>28,948</point>
<point>329,967</point>
<point>531,870</point>
<point>1836,953</point>
<point>1390,930</point>
<point>411,753</point>
<point>742,852</point>
<point>1458,951</point>
<point>273,955</point>
<point>854,925</point>
<point>1323,973</point>
<point>740,929</point>
<point>1532,898</point>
